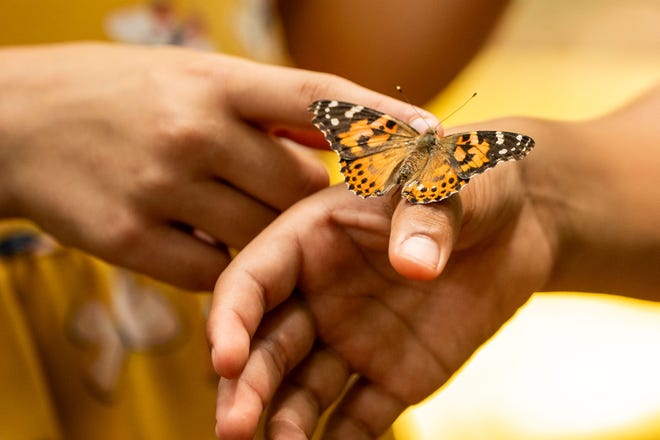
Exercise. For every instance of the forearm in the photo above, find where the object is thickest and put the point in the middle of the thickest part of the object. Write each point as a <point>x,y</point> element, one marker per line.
<point>599,182</point>
<point>32,81</point>
<point>13,81</point>
<point>419,45</point>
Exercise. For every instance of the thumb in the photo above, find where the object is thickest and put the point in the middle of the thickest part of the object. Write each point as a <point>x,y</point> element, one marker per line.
<point>422,237</point>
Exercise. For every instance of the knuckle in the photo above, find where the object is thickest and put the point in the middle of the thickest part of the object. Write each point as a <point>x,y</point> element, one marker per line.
<point>280,425</point>
<point>275,355</point>
<point>125,232</point>
<point>180,133</point>
<point>157,180</point>
<point>318,86</point>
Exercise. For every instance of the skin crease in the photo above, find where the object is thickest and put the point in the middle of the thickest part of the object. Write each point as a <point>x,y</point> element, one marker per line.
<point>328,291</point>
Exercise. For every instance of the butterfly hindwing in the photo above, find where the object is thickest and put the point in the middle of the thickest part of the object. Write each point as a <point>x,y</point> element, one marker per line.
<point>474,152</point>
<point>374,174</point>
<point>436,180</point>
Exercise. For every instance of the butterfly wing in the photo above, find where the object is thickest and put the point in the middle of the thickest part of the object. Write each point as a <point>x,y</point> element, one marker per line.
<point>371,145</point>
<point>474,152</point>
<point>374,174</point>
<point>356,131</point>
<point>460,157</point>
<point>435,181</point>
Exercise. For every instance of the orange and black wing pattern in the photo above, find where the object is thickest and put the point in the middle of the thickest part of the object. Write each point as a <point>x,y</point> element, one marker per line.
<point>377,152</point>
<point>474,152</point>
<point>371,145</point>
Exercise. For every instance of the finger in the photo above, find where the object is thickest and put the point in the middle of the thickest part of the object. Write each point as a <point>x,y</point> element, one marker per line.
<point>227,215</point>
<point>269,171</point>
<point>175,256</point>
<point>423,236</point>
<point>258,279</point>
<point>257,100</point>
<point>308,391</point>
<point>366,412</point>
<point>284,339</point>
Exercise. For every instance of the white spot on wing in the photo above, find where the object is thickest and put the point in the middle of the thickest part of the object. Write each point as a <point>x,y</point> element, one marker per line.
<point>353,110</point>
<point>334,122</point>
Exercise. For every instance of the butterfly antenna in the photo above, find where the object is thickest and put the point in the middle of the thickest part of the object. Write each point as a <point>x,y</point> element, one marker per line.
<point>405,98</point>
<point>459,107</point>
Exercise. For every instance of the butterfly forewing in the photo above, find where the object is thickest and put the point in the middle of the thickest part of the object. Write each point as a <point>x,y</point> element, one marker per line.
<point>474,152</point>
<point>355,131</point>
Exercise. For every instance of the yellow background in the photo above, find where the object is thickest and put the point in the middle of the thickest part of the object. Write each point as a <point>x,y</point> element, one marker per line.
<point>37,21</point>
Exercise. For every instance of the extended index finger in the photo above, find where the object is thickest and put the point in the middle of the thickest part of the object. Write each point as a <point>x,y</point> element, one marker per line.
<point>279,96</point>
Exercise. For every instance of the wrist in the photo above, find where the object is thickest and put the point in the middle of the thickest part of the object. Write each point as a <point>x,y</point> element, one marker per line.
<point>11,111</point>
<point>550,175</point>
<point>32,81</point>
<point>597,201</point>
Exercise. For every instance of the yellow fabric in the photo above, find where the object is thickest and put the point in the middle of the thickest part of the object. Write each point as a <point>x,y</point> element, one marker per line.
<point>25,408</point>
<point>92,351</point>
<point>238,27</point>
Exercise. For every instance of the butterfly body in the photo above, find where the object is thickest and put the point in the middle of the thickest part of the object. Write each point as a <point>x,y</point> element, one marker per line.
<point>377,152</point>
<point>424,147</point>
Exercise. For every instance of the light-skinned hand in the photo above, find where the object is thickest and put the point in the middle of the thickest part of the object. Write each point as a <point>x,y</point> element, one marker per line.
<point>158,159</point>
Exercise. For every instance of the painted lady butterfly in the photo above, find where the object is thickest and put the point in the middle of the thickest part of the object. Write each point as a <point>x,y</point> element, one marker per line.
<point>378,152</point>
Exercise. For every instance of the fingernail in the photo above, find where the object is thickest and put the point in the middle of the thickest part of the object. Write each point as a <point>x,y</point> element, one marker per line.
<point>422,250</point>
<point>422,124</point>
